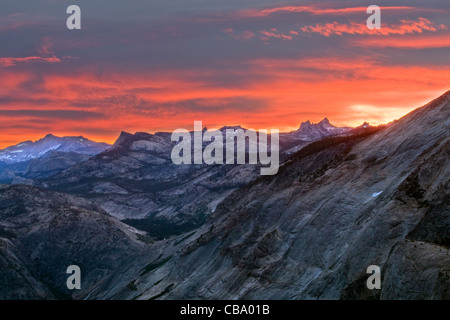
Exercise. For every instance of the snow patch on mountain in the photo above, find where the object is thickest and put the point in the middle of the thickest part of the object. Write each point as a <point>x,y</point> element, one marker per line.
<point>376,194</point>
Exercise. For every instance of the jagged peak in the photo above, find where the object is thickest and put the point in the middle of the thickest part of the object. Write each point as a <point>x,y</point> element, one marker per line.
<point>305,124</point>
<point>325,121</point>
<point>122,138</point>
<point>308,124</point>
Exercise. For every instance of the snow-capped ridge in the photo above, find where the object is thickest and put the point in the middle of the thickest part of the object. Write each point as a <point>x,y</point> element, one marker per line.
<point>29,150</point>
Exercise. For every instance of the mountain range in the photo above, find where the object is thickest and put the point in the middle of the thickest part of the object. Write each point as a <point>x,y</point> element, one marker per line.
<point>21,163</point>
<point>135,180</point>
<point>141,227</point>
<point>28,150</point>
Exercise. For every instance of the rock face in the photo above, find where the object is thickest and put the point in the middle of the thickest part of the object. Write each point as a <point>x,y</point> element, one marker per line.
<point>336,207</point>
<point>51,163</point>
<point>417,270</point>
<point>42,233</point>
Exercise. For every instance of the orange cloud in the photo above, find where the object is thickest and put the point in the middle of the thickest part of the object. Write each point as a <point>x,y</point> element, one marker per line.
<point>405,27</point>
<point>252,13</point>
<point>9,61</point>
<point>292,91</point>
<point>409,42</point>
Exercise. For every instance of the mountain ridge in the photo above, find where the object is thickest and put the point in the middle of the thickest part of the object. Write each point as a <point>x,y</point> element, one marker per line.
<point>28,150</point>
<point>12,154</point>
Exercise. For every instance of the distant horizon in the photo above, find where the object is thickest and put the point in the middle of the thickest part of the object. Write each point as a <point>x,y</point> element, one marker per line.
<point>112,140</point>
<point>42,136</point>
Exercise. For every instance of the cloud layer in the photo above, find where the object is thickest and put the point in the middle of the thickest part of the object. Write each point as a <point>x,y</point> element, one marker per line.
<point>161,65</point>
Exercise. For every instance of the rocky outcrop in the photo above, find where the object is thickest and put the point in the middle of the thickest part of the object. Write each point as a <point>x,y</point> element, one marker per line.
<point>42,233</point>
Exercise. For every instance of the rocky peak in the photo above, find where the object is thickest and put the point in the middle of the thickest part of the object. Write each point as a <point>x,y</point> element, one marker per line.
<point>365,125</point>
<point>325,121</point>
<point>123,137</point>
<point>306,124</point>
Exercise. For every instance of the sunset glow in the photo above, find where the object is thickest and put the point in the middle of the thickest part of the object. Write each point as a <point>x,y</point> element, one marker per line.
<point>158,67</point>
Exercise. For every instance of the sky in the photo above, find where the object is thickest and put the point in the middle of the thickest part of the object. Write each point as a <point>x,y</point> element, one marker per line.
<point>159,65</point>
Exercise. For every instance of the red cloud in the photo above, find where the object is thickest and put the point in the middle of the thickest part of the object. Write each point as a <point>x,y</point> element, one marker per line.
<point>293,91</point>
<point>9,61</point>
<point>45,52</point>
<point>252,13</point>
<point>405,27</point>
<point>409,42</point>
<point>274,34</point>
